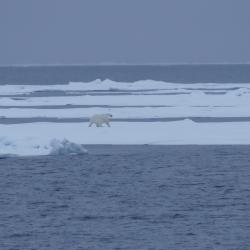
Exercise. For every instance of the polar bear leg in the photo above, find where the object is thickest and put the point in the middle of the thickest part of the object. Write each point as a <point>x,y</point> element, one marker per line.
<point>98,124</point>
<point>107,123</point>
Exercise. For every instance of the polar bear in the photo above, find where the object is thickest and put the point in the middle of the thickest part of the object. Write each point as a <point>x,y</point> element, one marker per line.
<point>99,119</point>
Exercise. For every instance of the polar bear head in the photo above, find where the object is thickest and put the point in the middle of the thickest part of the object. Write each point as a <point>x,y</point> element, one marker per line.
<point>109,115</point>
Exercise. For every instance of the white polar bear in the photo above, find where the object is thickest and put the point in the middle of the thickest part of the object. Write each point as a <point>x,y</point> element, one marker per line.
<point>100,119</point>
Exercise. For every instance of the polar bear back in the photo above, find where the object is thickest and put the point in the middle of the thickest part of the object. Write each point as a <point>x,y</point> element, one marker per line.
<point>100,118</point>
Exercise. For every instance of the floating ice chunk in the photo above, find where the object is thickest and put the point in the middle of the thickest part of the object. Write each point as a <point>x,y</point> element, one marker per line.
<point>5,143</point>
<point>65,147</point>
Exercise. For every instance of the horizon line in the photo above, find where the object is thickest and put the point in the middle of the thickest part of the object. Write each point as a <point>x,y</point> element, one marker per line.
<point>121,64</point>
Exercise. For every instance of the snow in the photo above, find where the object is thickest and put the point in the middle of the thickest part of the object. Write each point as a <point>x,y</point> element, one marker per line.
<point>196,98</point>
<point>66,147</point>
<point>110,85</point>
<point>142,99</point>
<point>28,146</point>
<point>36,138</point>
<point>129,112</point>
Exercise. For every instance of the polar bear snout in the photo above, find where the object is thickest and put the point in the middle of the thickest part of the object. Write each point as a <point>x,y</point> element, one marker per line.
<point>109,115</point>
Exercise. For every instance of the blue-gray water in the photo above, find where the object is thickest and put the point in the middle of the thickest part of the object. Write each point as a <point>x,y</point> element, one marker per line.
<point>238,73</point>
<point>128,197</point>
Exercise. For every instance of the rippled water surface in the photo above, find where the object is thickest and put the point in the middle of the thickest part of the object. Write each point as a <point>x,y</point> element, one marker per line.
<point>189,73</point>
<point>128,197</point>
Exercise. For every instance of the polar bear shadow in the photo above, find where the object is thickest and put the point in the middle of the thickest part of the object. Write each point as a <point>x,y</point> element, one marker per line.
<point>100,119</point>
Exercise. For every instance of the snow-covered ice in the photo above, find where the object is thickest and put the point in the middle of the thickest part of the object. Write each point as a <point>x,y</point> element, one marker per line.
<point>65,147</point>
<point>166,100</point>
<point>196,98</point>
<point>35,138</point>
<point>110,85</point>
<point>130,112</point>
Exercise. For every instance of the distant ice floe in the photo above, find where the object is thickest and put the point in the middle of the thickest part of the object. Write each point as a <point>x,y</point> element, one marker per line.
<point>234,101</point>
<point>239,97</point>
<point>110,85</point>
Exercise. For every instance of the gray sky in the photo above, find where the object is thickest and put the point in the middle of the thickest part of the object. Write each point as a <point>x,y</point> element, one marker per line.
<point>124,31</point>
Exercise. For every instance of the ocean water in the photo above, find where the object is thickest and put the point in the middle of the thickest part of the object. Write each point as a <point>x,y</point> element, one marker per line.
<point>224,73</point>
<point>128,197</point>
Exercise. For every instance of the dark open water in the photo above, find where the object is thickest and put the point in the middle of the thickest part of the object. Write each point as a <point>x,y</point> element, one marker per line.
<point>129,197</point>
<point>232,73</point>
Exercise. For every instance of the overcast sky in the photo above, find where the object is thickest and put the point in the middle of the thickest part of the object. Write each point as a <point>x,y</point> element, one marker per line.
<point>124,31</point>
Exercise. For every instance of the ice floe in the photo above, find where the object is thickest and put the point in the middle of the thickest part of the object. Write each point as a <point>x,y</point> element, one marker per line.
<point>166,100</point>
<point>39,138</point>
<point>110,85</point>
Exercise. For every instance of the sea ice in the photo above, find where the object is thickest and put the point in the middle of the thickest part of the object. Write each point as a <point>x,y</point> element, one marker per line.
<point>65,147</point>
<point>38,138</point>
